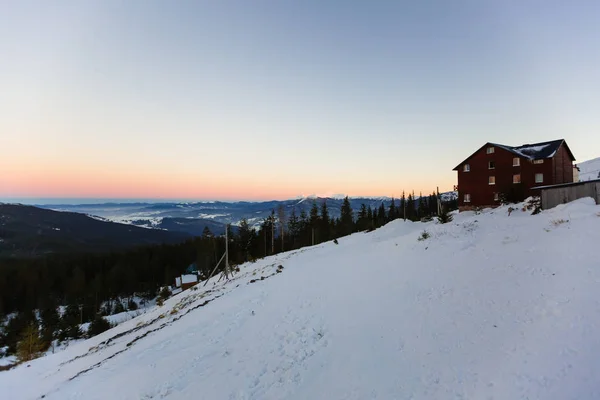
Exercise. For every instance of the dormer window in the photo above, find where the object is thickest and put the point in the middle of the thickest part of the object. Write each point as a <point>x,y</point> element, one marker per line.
<point>490,150</point>
<point>466,168</point>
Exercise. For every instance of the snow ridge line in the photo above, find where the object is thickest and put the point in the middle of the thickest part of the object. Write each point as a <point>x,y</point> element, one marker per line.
<point>168,323</point>
<point>107,342</point>
<point>129,344</point>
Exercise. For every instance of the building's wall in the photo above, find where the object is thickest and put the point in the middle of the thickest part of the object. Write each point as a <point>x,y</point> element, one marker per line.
<point>475,182</point>
<point>551,197</point>
<point>562,166</point>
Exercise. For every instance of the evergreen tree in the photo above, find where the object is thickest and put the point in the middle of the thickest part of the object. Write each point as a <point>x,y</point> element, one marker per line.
<point>371,219</point>
<point>362,223</point>
<point>303,229</point>
<point>294,227</point>
<point>374,219</point>
<point>314,222</point>
<point>206,233</point>
<point>422,210</point>
<point>445,216</point>
<point>346,218</point>
<point>402,212</point>
<point>245,237</point>
<point>392,210</point>
<point>30,345</point>
<point>325,229</point>
<point>381,216</point>
<point>50,323</point>
<point>97,326</point>
<point>281,220</point>
<point>410,208</point>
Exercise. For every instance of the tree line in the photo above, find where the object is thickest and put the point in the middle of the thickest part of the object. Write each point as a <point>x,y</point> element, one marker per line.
<point>89,286</point>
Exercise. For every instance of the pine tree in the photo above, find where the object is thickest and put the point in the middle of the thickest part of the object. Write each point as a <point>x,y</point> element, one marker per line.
<point>314,223</point>
<point>410,208</point>
<point>206,233</point>
<point>30,345</point>
<point>303,229</point>
<point>444,216</point>
<point>245,238</point>
<point>50,323</point>
<point>362,223</point>
<point>381,216</point>
<point>325,229</point>
<point>346,218</point>
<point>392,210</point>
<point>98,325</point>
<point>370,219</point>
<point>294,227</point>
<point>403,206</point>
<point>281,219</point>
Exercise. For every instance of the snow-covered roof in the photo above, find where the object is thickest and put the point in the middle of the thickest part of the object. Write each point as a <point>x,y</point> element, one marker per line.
<point>189,278</point>
<point>535,151</point>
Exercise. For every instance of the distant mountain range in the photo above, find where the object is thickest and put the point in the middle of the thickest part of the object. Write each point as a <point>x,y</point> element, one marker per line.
<point>192,217</point>
<point>27,231</point>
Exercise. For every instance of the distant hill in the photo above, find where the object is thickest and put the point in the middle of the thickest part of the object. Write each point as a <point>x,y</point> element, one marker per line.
<point>192,217</point>
<point>589,170</point>
<point>32,231</point>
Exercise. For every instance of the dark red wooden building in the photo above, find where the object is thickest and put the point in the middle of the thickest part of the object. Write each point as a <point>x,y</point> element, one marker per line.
<point>496,172</point>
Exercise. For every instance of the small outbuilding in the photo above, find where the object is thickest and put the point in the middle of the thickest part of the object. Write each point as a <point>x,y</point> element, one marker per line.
<point>554,195</point>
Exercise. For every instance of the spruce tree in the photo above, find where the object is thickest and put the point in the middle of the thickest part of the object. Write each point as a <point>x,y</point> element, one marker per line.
<point>381,215</point>
<point>402,212</point>
<point>392,210</point>
<point>97,326</point>
<point>346,218</point>
<point>444,216</point>
<point>370,219</point>
<point>294,227</point>
<point>362,222</point>
<point>50,323</point>
<point>206,233</point>
<point>325,229</point>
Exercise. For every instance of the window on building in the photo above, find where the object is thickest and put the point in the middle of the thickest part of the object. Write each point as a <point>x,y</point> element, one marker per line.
<point>496,196</point>
<point>492,180</point>
<point>538,161</point>
<point>490,150</point>
<point>466,168</point>
<point>467,198</point>
<point>491,165</point>
<point>516,162</point>
<point>517,178</point>
<point>539,178</point>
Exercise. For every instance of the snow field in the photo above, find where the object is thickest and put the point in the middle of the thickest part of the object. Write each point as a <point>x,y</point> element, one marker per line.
<point>491,306</point>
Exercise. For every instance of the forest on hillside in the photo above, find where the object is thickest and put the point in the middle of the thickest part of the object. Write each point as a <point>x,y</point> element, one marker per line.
<point>89,286</point>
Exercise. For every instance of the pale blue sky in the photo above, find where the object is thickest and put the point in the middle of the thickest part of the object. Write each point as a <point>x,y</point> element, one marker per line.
<point>273,99</point>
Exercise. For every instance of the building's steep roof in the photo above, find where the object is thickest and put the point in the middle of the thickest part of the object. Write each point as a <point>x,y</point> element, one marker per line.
<point>535,151</point>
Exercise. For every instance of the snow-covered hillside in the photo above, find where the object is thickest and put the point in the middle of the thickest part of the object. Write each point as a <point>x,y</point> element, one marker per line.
<point>490,306</point>
<point>589,169</point>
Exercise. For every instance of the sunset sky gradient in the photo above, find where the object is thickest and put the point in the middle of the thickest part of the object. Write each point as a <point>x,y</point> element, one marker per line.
<point>226,100</point>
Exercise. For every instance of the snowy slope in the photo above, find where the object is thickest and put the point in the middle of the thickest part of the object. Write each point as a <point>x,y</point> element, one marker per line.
<point>589,169</point>
<point>491,306</point>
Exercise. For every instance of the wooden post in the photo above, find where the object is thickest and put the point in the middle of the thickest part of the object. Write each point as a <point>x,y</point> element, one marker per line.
<point>227,251</point>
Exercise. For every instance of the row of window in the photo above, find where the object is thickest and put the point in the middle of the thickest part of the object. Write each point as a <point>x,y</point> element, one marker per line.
<point>492,164</point>
<point>467,197</point>
<point>539,178</point>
